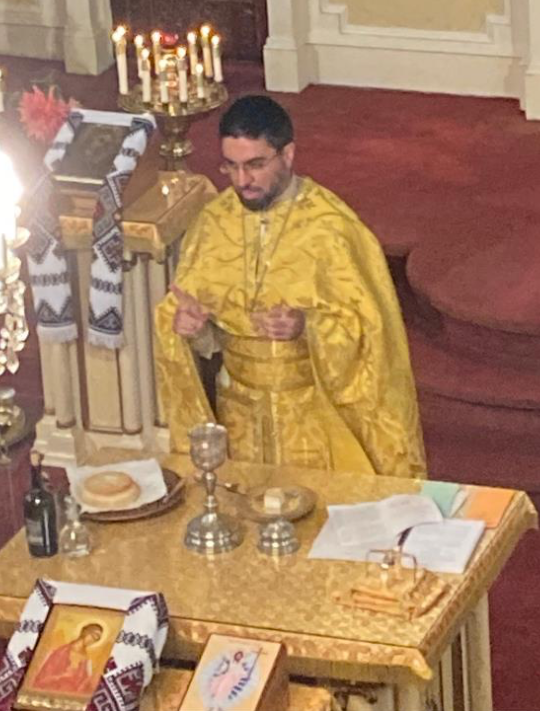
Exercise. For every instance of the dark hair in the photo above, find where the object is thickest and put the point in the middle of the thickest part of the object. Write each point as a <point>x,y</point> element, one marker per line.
<point>92,627</point>
<point>258,117</point>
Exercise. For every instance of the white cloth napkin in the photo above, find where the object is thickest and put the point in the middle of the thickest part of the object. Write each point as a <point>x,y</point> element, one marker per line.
<point>134,655</point>
<point>145,472</point>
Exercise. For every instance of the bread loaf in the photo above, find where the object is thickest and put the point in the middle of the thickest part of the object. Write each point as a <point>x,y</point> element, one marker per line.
<point>109,491</point>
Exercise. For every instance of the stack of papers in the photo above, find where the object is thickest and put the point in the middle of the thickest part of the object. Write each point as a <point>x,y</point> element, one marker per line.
<point>438,544</point>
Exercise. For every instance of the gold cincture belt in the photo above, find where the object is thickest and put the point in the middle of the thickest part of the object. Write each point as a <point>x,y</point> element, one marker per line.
<point>268,365</point>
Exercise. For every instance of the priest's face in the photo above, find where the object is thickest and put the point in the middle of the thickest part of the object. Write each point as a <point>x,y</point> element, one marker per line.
<point>259,173</point>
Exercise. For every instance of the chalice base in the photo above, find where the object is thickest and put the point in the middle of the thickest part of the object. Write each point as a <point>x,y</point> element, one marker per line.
<point>213,533</point>
<point>278,538</point>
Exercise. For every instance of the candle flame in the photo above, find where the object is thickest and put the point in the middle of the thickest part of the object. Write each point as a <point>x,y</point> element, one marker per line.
<point>162,65</point>
<point>181,52</point>
<point>192,37</point>
<point>199,68</point>
<point>216,39</point>
<point>119,33</point>
<point>145,54</point>
<point>156,36</point>
<point>205,30</point>
<point>139,41</point>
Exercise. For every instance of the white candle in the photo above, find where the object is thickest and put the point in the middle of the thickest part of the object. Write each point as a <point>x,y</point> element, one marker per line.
<point>216,58</point>
<point>199,73</point>
<point>207,54</point>
<point>182,75</point>
<point>120,45</point>
<point>163,86</point>
<point>146,77</point>
<point>2,89</point>
<point>156,49</point>
<point>10,193</point>
<point>167,194</point>
<point>193,53</point>
<point>139,46</point>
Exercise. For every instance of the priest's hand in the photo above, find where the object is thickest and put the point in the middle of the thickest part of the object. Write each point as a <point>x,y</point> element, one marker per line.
<point>280,323</point>
<point>190,317</point>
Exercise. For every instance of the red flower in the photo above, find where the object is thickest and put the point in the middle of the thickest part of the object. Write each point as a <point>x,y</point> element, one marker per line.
<point>43,114</point>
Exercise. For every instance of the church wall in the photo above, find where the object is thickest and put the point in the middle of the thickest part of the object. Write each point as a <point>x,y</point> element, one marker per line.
<point>491,49</point>
<point>32,28</point>
<point>454,16</point>
<point>74,31</point>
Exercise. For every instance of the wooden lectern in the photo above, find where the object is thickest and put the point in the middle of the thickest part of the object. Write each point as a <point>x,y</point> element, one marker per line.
<point>96,397</point>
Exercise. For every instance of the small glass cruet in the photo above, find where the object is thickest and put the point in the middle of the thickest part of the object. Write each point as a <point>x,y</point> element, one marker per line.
<point>75,540</point>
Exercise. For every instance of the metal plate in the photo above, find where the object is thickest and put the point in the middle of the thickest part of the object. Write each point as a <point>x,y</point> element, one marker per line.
<point>299,501</point>
<point>21,427</point>
<point>175,495</point>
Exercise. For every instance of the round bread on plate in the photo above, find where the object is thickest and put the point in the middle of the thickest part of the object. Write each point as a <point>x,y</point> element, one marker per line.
<point>109,490</point>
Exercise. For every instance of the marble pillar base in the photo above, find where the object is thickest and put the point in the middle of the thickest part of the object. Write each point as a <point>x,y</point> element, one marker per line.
<point>74,446</point>
<point>76,32</point>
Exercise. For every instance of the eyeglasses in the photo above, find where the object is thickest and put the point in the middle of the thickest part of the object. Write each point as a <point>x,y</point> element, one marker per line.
<point>253,166</point>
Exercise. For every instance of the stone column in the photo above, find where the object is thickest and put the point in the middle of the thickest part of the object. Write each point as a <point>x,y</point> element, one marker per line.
<point>479,658</point>
<point>87,36</point>
<point>289,61</point>
<point>531,90</point>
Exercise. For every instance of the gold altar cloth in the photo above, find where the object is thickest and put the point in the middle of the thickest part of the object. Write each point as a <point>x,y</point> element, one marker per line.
<point>154,220</point>
<point>290,599</point>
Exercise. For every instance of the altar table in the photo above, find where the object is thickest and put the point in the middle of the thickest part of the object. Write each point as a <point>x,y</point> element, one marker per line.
<point>290,599</point>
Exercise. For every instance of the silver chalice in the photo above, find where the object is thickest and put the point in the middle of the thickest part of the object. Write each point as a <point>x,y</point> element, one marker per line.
<point>211,532</point>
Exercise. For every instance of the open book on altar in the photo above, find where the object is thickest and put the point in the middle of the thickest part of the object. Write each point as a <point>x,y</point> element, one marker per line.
<point>353,532</point>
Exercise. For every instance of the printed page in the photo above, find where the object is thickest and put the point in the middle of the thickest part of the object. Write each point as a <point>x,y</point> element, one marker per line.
<point>328,546</point>
<point>444,547</point>
<point>382,520</point>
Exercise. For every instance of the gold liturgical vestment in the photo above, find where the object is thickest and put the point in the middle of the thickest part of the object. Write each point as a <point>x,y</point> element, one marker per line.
<point>342,395</point>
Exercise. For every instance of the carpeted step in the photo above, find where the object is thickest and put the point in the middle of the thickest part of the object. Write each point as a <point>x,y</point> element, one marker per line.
<point>485,276</point>
<point>492,346</point>
<point>441,370</point>
<point>482,445</point>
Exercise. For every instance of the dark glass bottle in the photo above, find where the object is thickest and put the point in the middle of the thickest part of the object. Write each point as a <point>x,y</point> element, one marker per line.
<point>39,513</point>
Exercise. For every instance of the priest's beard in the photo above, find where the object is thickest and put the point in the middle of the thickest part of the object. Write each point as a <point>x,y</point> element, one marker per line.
<point>280,184</point>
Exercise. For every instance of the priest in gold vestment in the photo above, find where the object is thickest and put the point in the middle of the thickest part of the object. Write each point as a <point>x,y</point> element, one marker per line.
<point>282,277</point>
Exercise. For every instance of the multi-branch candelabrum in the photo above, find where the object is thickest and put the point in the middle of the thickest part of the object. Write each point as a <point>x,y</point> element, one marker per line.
<point>13,325</point>
<point>177,84</point>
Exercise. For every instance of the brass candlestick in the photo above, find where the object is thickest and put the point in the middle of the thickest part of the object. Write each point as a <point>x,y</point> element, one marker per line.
<point>175,118</point>
<point>211,532</point>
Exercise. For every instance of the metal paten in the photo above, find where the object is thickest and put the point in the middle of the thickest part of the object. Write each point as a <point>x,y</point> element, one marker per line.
<point>211,532</point>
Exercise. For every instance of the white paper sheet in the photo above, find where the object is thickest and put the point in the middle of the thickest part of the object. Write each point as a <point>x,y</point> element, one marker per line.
<point>382,520</point>
<point>444,547</point>
<point>328,546</point>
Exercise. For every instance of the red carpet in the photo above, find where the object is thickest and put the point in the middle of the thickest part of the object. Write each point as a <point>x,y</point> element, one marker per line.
<point>451,186</point>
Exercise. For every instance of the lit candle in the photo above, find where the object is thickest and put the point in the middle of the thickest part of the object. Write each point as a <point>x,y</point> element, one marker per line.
<point>156,49</point>
<point>10,193</point>
<point>216,58</point>
<point>167,194</point>
<point>2,89</point>
<point>139,46</point>
<point>207,54</point>
<point>146,78</point>
<point>120,45</point>
<point>193,53</point>
<point>199,73</point>
<point>163,86</point>
<point>182,75</point>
